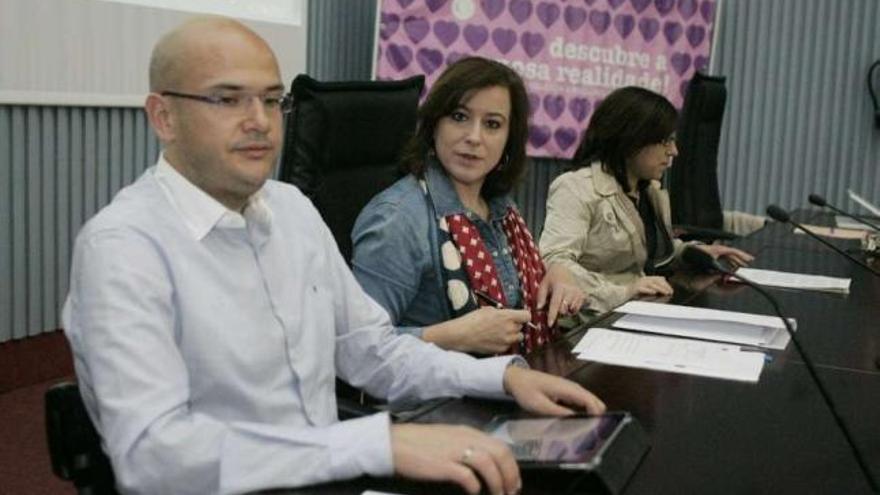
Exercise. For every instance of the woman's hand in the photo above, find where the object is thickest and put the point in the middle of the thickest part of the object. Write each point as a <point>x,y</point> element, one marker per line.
<point>483,331</point>
<point>650,286</point>
<point>736,257</point>
<point>566,297</point>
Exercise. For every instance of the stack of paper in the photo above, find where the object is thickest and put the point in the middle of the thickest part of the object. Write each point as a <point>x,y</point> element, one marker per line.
<point>693,357</point>
<point>833,232</point>
<point>796,280</point>
<point>706,324</point>
<point>848,223</point>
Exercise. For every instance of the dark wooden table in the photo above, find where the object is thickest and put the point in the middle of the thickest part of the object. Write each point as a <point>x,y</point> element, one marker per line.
<point>717,436</point>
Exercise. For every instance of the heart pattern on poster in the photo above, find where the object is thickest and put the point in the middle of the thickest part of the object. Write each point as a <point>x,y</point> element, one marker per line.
<point>579,108</point>
<point>388,25</point>
<point>532,43</point>
<point>476,36</point>
<point>571,53</point>
<point>554,105</point>
<point>649,27</point>
<point>574,17</point>
<point>547,13</point>
<point>624,24</point>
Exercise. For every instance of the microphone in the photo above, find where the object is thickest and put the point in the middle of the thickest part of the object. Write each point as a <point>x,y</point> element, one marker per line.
<point>780,215</point>
<point>705,261</point>
<point>820,201</point>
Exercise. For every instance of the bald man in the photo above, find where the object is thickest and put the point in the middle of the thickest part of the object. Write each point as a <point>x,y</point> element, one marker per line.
<point>210,311</point>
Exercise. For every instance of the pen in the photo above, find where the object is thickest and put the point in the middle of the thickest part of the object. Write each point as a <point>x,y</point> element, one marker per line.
<point>491,300</point>
<point>767,356</point>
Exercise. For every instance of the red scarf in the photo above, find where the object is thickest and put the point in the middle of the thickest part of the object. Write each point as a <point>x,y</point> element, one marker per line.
<point>479,266</point>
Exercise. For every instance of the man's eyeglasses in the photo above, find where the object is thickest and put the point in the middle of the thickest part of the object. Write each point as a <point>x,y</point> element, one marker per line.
<point>239,102</point>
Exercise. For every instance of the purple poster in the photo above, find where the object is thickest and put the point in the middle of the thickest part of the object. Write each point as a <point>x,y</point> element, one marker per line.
<point>570,53</point>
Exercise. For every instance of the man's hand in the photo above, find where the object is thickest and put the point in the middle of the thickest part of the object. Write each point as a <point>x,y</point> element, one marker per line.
<point>544,394</point>
<point>454,454</point>
<point>565,296</point>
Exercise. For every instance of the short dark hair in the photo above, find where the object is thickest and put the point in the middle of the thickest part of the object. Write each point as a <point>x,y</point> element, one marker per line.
<point>626,121</point>
<point>458,82</point>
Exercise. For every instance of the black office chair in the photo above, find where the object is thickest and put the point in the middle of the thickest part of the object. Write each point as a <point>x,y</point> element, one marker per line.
<point>693,178</point>
<point>342,144</point>
<point>74,445</point>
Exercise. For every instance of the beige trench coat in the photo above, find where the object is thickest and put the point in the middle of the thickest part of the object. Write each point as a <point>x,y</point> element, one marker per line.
<point>594,230</point>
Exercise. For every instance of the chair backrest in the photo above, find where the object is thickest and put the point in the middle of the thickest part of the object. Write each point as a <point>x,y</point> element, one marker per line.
<point>693,178</point>
<point>74,445</point>
<point>343,141</point>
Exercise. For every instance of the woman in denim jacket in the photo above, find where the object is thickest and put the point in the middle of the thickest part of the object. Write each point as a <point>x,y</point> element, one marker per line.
<point>444,249</point>
<point>608,220</point>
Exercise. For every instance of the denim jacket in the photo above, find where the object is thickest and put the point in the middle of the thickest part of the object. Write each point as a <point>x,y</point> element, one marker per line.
<point>396,255</point>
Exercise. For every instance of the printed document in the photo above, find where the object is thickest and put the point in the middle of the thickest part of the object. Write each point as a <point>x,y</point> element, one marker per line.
<point>848,223</point>
<point>832,232</point>
<point>788,280</point>
<point>706,324</point>
<point>692,357</point>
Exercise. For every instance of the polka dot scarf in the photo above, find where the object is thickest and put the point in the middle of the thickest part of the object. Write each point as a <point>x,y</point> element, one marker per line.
<point>468,266</point>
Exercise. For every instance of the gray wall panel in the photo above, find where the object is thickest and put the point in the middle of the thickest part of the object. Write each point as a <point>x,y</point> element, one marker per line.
<point>58,166</point>
<point>6,239</point>
<point>19,223</point>
<point>798,117</point>
<point>340,46</point>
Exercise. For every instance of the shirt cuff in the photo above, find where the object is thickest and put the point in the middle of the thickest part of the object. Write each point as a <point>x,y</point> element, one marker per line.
<point>414,331</point>
<point>485,377</point>
<point>361,446</point>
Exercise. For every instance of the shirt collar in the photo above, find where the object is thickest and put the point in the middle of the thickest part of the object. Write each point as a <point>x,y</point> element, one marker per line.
<point>446,201</point>
<point>201,212</point>
<point>604,183</point>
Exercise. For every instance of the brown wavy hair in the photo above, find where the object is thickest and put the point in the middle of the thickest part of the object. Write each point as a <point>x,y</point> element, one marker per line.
<point>457,83</point>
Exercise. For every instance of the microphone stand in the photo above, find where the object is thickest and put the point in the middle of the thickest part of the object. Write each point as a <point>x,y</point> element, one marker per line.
<point>705,261</point>
<point>820,201</point>
<point>869,477</point>
<point>781,215</point>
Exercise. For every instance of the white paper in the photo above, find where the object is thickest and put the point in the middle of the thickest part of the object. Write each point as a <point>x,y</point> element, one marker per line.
<point>864,202</point>
<point>687,312</point>
<point>706,324</point>
<point>789,280</point>
<point>848,223</point>
<point>692,357</point>
<point>832,232</point>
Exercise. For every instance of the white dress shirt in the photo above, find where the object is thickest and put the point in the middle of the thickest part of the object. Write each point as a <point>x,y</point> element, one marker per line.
<point>207,343</point>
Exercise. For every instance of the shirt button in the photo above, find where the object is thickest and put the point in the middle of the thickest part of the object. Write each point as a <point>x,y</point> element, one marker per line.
<point>494,253</point>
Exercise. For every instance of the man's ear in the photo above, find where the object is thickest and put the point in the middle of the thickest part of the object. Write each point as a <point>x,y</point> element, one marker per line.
<point>161,118</point>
